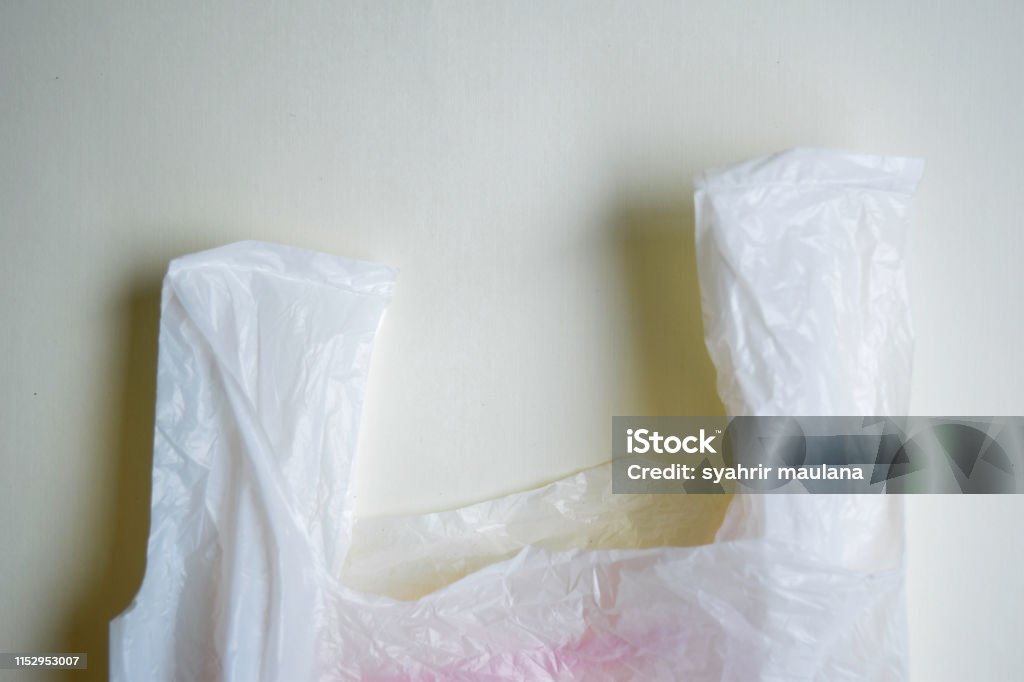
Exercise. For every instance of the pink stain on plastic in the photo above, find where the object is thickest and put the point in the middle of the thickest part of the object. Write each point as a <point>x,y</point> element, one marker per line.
<point>604,651</point>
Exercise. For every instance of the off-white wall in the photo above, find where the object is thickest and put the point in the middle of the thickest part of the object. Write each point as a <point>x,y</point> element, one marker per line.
<point>528,168</point>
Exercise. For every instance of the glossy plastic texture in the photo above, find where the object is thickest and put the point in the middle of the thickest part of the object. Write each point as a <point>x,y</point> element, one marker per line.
<point>257,572</point>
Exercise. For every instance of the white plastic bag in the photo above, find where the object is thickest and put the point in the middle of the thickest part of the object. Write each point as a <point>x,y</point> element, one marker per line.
<point>262,366</point>
<point>803,287</point>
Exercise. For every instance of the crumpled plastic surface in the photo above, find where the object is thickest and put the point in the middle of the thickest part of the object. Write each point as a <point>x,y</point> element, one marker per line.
<point>257,572</point>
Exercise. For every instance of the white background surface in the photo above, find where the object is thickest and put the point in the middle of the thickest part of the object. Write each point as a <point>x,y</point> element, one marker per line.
<point>528,167</point>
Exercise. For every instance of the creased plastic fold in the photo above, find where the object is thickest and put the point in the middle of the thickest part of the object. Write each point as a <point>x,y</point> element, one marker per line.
<point>257,572</point>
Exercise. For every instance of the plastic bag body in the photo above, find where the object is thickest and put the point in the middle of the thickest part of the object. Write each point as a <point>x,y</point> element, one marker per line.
<point>252,572</point>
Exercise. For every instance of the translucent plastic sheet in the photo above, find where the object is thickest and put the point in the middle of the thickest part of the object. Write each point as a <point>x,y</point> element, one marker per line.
<point>256,571</point>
